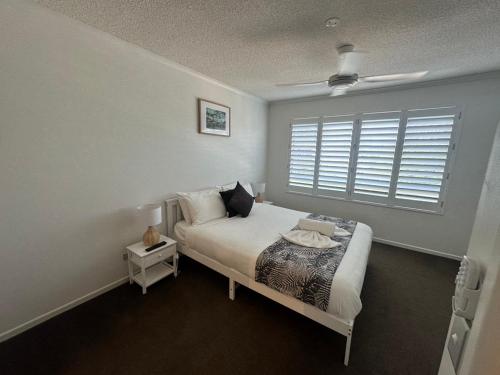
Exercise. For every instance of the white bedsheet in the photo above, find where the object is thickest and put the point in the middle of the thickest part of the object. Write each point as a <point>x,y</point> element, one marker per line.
<point>180,231</point>
<point>237,242</point>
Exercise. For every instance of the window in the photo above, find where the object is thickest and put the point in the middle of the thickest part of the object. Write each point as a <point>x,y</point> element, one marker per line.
<point>397,159</point>
<point>377,146</point>
<point>303,154</point>
<point>424,158</point>
<point>335,154</point>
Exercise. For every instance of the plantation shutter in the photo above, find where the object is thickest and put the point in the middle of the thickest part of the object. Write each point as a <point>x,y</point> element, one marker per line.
<point>377,145</point>
<point>397,159</point>
<point>424,158</point>
<point>302,161</point>
<point>335,154</point>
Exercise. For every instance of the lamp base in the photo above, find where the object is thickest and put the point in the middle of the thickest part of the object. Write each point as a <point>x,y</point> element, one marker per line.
<point>151,237</point>
<point>259,198</point>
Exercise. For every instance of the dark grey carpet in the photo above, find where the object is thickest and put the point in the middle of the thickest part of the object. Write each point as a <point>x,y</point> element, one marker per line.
<point>189,326</point>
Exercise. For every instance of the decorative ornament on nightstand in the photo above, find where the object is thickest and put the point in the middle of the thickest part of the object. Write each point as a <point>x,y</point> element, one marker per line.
<point>260,189</point>
<point>151,216</point>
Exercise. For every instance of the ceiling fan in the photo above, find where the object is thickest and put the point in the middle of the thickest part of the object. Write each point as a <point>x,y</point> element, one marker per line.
<point>347,75</point>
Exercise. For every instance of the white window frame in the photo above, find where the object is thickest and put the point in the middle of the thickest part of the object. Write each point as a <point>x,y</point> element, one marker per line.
<point>358,197</point>
<point>332,193</point>
<point>391,201</point>
<point>436,207</point>
<point>301,189</point>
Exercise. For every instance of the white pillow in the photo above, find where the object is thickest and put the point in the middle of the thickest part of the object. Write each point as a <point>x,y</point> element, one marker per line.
<point>185,210</point>
<point>246,185</point>
<point>204,205</point>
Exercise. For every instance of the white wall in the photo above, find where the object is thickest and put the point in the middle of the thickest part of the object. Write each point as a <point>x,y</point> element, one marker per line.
<point>446,234</point>
<point>481,354</point>
<point>91,127</point>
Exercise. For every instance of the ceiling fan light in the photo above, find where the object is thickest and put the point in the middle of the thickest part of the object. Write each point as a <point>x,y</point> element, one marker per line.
<point>338,91</point>
<point>343,86</point>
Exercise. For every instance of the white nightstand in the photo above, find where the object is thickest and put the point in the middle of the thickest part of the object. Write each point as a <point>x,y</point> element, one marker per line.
<point>147,268</point>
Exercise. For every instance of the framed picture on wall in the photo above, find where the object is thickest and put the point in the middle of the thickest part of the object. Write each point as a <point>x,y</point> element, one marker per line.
<point>214,118</point>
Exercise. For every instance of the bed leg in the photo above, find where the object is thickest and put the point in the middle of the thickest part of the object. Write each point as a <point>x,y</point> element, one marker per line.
<point>231,289</point>
<point>348,347</point>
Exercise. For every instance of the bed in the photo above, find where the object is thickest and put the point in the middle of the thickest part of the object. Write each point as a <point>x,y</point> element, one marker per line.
<point>231,247</point>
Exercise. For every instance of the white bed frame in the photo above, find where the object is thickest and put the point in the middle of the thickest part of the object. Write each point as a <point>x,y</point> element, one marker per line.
<point>174,214</point>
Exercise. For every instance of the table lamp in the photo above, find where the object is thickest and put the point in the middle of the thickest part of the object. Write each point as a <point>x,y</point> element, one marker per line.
<point>260,188</point>
<point>151,216</point>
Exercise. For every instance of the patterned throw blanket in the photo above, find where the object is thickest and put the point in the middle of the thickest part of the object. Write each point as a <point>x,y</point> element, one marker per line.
<point>305,273</point>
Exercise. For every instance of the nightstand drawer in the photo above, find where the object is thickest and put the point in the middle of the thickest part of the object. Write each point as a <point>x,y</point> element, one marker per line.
<point>159,256</point>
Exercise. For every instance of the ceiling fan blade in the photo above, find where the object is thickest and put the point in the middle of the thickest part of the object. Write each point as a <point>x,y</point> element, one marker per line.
<point>349,62</point>
<point>301,84</point>
<point>393,77</point>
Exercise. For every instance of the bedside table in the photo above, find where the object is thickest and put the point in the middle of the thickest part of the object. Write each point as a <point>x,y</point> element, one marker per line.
<point>148,268</point>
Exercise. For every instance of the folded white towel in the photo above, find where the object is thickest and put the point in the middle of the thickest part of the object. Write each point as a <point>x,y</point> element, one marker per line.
<point>324,227</point>
<point>309,238</point>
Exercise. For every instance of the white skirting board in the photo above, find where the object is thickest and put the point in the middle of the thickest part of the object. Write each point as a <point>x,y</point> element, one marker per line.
<point>417,248</point>
<point>42,318</point>
<point>59,310</point>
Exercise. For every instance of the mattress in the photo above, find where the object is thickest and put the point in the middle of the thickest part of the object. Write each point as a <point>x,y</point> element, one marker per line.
<point>237,242</point>
<point>180,231</point>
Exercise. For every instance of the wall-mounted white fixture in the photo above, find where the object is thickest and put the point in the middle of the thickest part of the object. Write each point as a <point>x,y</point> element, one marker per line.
<point>467,289</point>
<point>464,303</point>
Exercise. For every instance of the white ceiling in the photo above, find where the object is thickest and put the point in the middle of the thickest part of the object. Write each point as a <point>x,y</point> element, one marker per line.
<point>252,45</point>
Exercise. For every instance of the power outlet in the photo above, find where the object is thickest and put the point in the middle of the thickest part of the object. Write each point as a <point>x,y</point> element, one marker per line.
<point>125,256</point>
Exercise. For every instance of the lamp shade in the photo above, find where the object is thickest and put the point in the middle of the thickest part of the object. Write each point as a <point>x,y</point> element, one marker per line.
<point>259,187</point>
<point>150,214</point>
